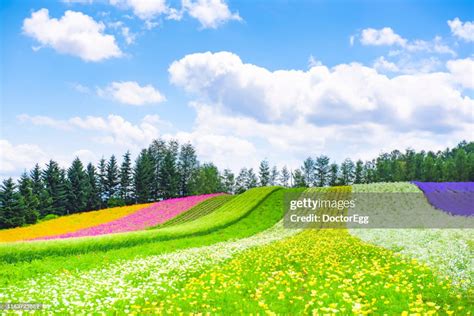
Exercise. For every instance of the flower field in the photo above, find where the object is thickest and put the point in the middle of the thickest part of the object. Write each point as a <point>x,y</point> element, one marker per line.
<point>199,210</point>
<point>146,217</point>
<point>456,198</point>
<point>67,224</point>
<point>232,255</point>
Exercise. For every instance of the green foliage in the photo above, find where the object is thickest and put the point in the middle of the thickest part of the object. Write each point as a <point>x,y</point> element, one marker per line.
<point>206,179</point>
<point>204,208</point>
<point>227,214</point>
<point>49,217</point>
<point>12,205</point>
<point>264,173</point>
<point>77,187</point>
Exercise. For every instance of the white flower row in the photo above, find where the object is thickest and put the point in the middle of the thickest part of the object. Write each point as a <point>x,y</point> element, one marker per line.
<point>449,251</point>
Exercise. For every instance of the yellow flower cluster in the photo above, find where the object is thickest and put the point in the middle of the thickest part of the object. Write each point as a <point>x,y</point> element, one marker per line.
<point>319,271</point>
<point>67,224</point>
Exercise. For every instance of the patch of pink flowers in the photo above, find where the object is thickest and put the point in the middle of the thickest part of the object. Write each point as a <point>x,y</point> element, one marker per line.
<point>153,215</point>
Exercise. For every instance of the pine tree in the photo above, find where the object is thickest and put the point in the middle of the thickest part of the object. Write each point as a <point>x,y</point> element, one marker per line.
<point>359,172</point>
<point>321,170</point>
<point>56,191</point>
<point>347,172</point>
<point>31,202</point>
<point>38,187</point>
<point>228,180</point>
<point>299,179</point>
<point>333,174</point>
<point>77,181</point>
<point>308,170</point>
<point>264,173</point>
<point>241,181</point>
<point>112,181</point>
<point>251,180</point>
<point>186,166</point>
<point>169,176</point>
<point>156,152</point>
<point>285,177</point>
<point>11,205</point>
<point>93,199</point>
<point>102,183</point>
<point>143,178</point>
<point>126,179</point>
<point>274,176</point>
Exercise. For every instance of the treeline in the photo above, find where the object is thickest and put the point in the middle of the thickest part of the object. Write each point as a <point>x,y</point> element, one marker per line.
<point>455,164</point>
<point>168,169</point>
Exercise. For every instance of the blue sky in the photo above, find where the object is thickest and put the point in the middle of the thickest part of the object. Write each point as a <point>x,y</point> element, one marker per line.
<point>284,79</point>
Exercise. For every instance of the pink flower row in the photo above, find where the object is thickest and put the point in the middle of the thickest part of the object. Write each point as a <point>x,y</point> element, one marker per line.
<point>155,214</point>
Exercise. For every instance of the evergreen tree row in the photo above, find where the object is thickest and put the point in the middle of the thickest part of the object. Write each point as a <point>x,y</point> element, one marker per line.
<point>168,169</point>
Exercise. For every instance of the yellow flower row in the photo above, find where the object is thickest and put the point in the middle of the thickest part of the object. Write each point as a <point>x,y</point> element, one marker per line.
<point>325,271</point>
<point>66,224</point>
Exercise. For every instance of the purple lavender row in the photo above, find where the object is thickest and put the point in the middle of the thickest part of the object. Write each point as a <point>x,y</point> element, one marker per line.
<point>456,198</point>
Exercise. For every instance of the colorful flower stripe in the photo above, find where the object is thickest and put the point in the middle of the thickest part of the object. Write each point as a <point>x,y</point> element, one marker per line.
<point>456,198</point>
<point>155,214</point>
<point>67,224</point>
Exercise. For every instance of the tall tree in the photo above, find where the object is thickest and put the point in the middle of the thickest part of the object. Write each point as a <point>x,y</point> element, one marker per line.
<point>186,166</point>
<point>241,181</point>
<point>126,179</point>
<point>274,174</point>
<point>102,176</point>
<point>333,174</point>
<point>299,179</point>
<point>347,172</point>
<point>252,180</point>
<point>285,177</point>
<point>321,170</point>
<point>76,187</point>
<point>93,200</point>
<point>143,177</point>
<point>11,205</point>
<point>359,172</point>
<point>31,202</point>
<point>461,163</point>
<point>308,169</point>
<point>112,180</point>
<point>156,151</point>
<point>264,173</point>
<point>38,187</point>
<point>206,180</point>
<point>228,181</point>
<point>56,191</point>
<point>168,173</point>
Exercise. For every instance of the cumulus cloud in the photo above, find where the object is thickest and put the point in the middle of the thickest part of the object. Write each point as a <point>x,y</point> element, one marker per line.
<point>17,158</point>
<point>384,36</point>
<point>387,37</point>
<point>112,130</point>
<point>462,30</point>
<point>462,71</point>
<point>382,65</point>
<point>75,34</point>
<point>210,13</point>
<point>342,94</point>
<point>130,92</point>
<point>349,109</point>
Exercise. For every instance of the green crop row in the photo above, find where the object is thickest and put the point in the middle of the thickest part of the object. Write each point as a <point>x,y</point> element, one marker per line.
<point>262,217</point>
<point>224,216</point>
<point>200,210</point>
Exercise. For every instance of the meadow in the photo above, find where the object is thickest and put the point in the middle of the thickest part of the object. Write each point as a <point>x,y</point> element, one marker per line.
<point>233,255</point>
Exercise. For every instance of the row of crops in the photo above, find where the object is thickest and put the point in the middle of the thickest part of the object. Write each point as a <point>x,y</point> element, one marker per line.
<point>232,255</point>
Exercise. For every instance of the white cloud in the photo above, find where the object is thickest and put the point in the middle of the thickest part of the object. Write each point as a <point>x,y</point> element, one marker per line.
<point>285,115</point>
<point>130,92</point>
<point>382,65</point>
<point>14,159</point>
<point>112,130</point>
<point>342,94</point>
<point>74,34</point>
<point>463,71</point>
<point>384,36</point>
<point>210,13</point>
<point>129,36</point>
<point>387,37</point>
<point>313,62</point>
<point>462,30</point>
<point>144,9</point>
